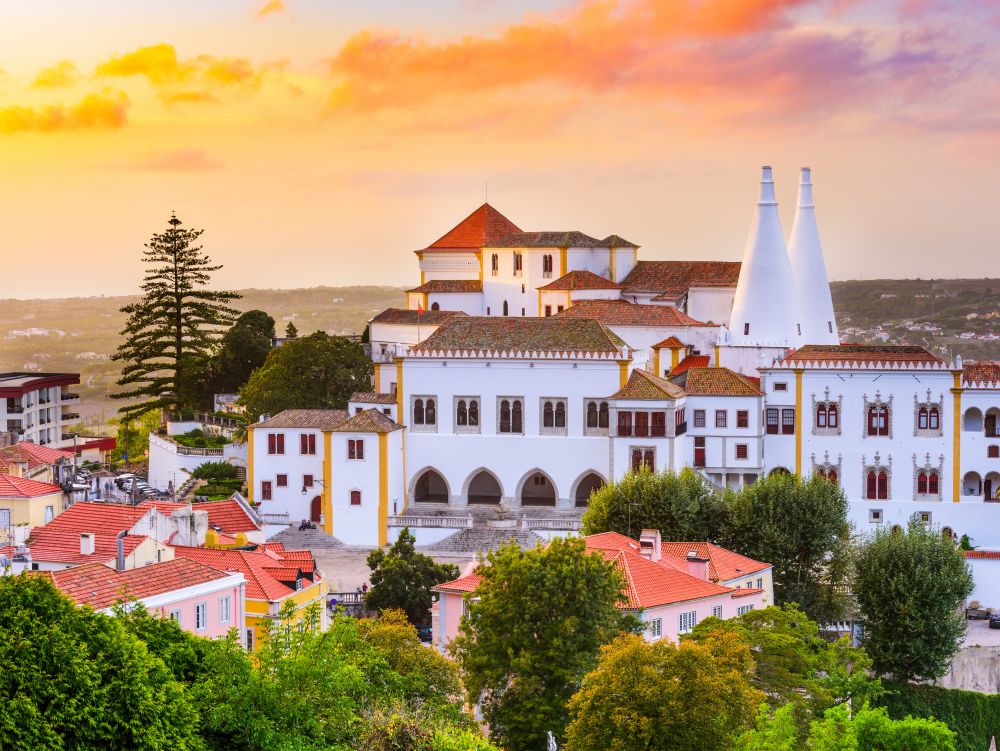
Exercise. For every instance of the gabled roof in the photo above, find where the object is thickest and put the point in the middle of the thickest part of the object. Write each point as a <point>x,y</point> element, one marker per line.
<point>643,385</point>
<point>571,239</point>
<point>982,373</point>
<point>312,419</point>
<point>33,454</point>
<point>671,342</point>
<point>715,382</point>
<point>575,280</point>
<point>371,397</point>
<point>671,279</point>
<point>253,564</point>
<point>467,583</point>
<point>439,286</point>
<point>522,335</point>
<point>482,227</point>
<point>100,586</point>
<point>414,317</point>
<point>100,518</point>
<point>723,565</point>
<point>22,487</point>
<point>860,354</point>
<point>369,421</point>
<point>228,516</point>
<point>63,546</point>
<point>691,361</point>
<point>624,313</point>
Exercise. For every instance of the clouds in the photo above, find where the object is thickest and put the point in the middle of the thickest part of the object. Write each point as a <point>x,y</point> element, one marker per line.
<point>60,75</point>
<point>177,160</point>
<point>272,7</point>
<point>103,111</point>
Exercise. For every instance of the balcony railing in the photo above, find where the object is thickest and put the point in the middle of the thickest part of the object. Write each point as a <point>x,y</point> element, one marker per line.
<point>441,522</point>
<point>567,525</point>
<point>15,409</point>
<point>69,397</point>
<point>71,416</point>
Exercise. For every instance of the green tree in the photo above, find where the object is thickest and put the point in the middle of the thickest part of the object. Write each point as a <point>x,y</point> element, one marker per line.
<point>403,579</point>
<point>242,349</point>
<point>132,436</point>
<point>318,371</point>
<point>909,587</point>
<point>291,332</point>
<point>215,471</point>
<point>532,631</point>
<point>681,505</point>
<point>641,695</point>
<point>75,679</point>
<point>800,527</point>
<point>174,325</point>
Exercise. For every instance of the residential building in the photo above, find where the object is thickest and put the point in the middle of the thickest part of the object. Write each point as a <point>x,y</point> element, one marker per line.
<point>26,504</point>
<point>39,407</point>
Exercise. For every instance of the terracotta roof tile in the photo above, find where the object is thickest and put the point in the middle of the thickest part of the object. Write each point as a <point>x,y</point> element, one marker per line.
<point>715,382</point>
<point>253,564</point>
<point>862,354</point>
<point>571,239</point>
<point>439,286</point>
<point>648,584</point>
<point>990,555</point>
<point>370,397</point>
<point>22,487</point>
<point>369,421</point>
<point>522,335</point>
<point>467,583</point>
<point>63,546</point>
<point>101,518</point>
<point>624,313</point>
<point>227,515</point>
<point>982,373</point>
<point>643,385</point>
<point>33,454</point>
<point>671,279</point>
<point>723,564</point>
<point>671,342</point>
<point>691,361</point>
<point>580,280</point>
<point>428,317</point>
<point>314,419</point>
<point>482,227</point>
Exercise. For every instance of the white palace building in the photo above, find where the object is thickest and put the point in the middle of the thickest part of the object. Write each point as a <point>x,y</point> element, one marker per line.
<point>529,368</point>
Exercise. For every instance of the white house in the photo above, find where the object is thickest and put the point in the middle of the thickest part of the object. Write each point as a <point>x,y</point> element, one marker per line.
<point>39,407</point>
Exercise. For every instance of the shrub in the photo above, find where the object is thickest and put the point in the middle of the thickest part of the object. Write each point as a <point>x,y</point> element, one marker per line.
<point>974,717</point>
<point>215,471</point>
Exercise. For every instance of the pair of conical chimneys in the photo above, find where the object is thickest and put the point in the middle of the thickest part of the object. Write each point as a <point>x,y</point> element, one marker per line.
<point>783,298</point>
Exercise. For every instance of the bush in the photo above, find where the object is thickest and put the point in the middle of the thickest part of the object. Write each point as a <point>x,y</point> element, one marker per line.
<point>974,717</point>
<point>197,439</point>
<point>215,471</point>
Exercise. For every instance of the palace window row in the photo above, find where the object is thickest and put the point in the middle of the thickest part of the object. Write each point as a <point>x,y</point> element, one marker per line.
<point>643,458</point>
<point>779,421</point>
<point>642,424</point>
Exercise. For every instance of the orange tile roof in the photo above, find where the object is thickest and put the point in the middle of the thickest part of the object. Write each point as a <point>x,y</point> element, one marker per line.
<point>63,546</point>
<point>715,382</point>
<point>22,487</point>
<point>413,317</point>
<point>648,584</point>
<point>314,419</point>
<point>369,421</point>
<point>642,386</point>
<point>106,518</point>
<point>253,564</point>
<point>612,541</point>
<point>438,286</point>
<point>482,227</point>
<point>691,361</point>
<point>100,586</point>
<point>560,239</point>
<point>624,313</point>
<point>227,515</point>
<point>861,354</point>
<point>982,373</point>
<point>580,280</point>
<point>33,454</point>
<point>522,335</point>
<point>671,342</point>
<point>723,565</point>
<point>671,279</point>
<point>467,583</point>
<point>991,555</point>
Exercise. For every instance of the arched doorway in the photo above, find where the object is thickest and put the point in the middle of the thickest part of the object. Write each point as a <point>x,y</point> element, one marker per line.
<point>505,308</point>
<point>991,487</point>
<point>316,510</point>
<point>484,489</point>
<point>538,490</point>
<point>430,488</point>
<point>972,484</point>
<point>991,423</point>
<point>778,471</point>
<point>586,487</point>
<point>972,420</point>
<point>947,533</point>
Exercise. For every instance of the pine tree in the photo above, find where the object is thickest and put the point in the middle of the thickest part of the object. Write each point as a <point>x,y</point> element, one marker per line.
<point>175,325</point>
<point>291,332</point>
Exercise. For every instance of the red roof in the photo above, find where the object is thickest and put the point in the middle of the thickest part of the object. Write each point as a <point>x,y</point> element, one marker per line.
<point>723,565</point>
<point>63,546</point>
<point>624,313</point>
<point>691,361</point>
<point>100,586</point>
<point>482,227</point>
<point>254,565</point>
<point>100,518</point>
<point>716,382</point>
<point>648,584</point>
<point>439,286</point>
<point>982,373</point>
<point>671,342</point>
<point>466,583</point>
<point>672,279</point>
<point>580,280</point>
<point>860,354</point>
<point>22,487</point>
<point>992,555</point>
<point>227,516</point>
<point>33,454</point>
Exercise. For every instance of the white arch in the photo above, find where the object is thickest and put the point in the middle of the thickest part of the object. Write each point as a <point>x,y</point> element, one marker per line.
<point>415,478</point>
<point>586,473</point>
<point>531,473</point>
<point>972,419</point>
<point>472,476</point>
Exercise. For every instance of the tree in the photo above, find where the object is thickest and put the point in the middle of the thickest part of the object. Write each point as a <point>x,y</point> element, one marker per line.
<point>291,332</point>
<point>403,579</point>
<point>215,471</point>
<point>682,506</point>
<point>318,371</point>
<point>76,679</point>
<point>132,437</point>
<point>175,323</point>
<point>800,527</point>
<point>531,632</point>
<point>242,349</point>
<point>909,587</point>
<point>696,696</point>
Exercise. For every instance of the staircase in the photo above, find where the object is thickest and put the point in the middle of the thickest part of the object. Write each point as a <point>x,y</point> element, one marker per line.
<point>311,539</point>
<point>483,540</point>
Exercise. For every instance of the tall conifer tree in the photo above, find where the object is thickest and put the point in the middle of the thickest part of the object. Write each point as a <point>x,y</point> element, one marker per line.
<point>176,323</point>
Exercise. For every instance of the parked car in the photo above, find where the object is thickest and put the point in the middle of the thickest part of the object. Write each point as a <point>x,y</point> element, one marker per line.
<point>425,634</point>
<point>995,619</point>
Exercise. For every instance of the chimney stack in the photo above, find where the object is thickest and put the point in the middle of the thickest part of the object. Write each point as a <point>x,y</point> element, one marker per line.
<point>87,540</point>
<point>649,544</point>
<point>697,566</point>
<point>805,252</point>
<point>120,554</point>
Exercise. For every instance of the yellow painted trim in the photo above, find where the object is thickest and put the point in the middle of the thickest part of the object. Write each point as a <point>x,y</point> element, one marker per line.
<point>656,362</point>
<point>378,389</point>
<point>569,302</point>
<point>563,261</point>
<point>250,483</point>
<point>798,421</point>
<point>422,279</point>
<point>383,489</point>
<point>717,363</point>
<point>327,481</point>
<point>611,264</point>
<point>426,304</point>
<point>956,447</point>
<point>539,303</point>
<point>399,391</point>
<point>402,444</point>
<point>622,373</point>
<point>675,357</point>
<point>479,256</point>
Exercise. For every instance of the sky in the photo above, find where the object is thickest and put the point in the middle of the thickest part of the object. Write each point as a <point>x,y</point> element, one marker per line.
<point>320,142</point>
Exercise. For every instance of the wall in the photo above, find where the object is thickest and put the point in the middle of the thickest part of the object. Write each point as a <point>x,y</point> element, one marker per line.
<point>713,304</point>
<point>185,600</point>
<point>767,575</point>
<point>702,338</point>
<point>720,443</point>
<point>289,499</point>
<point>168,465</point>
<point>669,615</point>
<point>449,265</point>
<point>986,573</point>
<point>355,525</point>
<point>471,303</point>
<point>30,512</point>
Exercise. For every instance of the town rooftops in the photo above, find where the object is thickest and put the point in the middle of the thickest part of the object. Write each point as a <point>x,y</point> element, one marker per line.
<point>413,317</point>
<point>672,279</point>
<point>369,421</point>
<point>370,397</point>
<point>671,342</point>
<point>19,384</point>
<point>516,335</point>
<point>861,354</point>
<point>715,382</point>
<point>458,286</point>
<point>559,239</point>
<point>642,386</point>
<point>624,313</point>
<point>228,516</point>
<point>32,454</point>
<point>21,487</point>
<point>482,227</point>
<point>256,566</point>
<point>691,361</point>
<point>723,565</point>
<point>580,280</point>
<point>982,373</point>
<point>314,419</point>
<point>101,586</point>
<point>63,545</point>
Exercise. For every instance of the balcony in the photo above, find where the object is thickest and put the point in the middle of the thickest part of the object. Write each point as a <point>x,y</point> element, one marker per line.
<point>70,416</point>
<point>15,409</point>
<point>69,397</point>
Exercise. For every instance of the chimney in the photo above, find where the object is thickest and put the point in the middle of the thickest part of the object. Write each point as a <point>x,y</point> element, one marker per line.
<point>87,540</point>
<point>649,544</point>
<point>120,555</point>
<point>697,566</point>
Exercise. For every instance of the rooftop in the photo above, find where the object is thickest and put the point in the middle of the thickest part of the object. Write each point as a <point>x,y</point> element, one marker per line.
<point>982,373</point>
<point>672,279</point>
<point>624,313</point>
<point>559,239</point>
<point>315,419</point>
<point>32,453</point>
<point>580,280</point>
<point>63,545</point>
<point>450,285</point>
<point>643,385</point>
<point>482,227</point>
<point>19,384</point>
<point>22,487</point>
<point>413,317</point>
<point>715,382</point>
<point>368,421</point>
<point>256,566</point>
<point>723,564</point>
<point>371,397</point>
<point>553,335</point>
<point>860,354</point>
<point>691,361</point>
<point>671,342</point>
<point>228,516</point>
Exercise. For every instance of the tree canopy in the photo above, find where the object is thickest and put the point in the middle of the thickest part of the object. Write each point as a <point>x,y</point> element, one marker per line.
<point>403,579</point>
<point>242,349</point>
<point>317,371</point>
<point>909,587</point>
<point>532,631</point>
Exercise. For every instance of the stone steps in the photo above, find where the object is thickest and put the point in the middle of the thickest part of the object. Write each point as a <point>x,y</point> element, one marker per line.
<point>483,540</point>
<point>306,539</point>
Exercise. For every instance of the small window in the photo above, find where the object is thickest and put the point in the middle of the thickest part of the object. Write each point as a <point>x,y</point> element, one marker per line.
<point>624,423</point>
<point>746,329</point>
<point>495,266</point>
<point>424,412</point>
<point>175,616</point>
<point>925,517</point>
<point>511,416</point>
<point>656,628</point>
<point>993,452</point>
<point>744,609</point>
<point>760,584</point>
<point>276,443</point>
<point>307,481</point>
<point>742,451</point>
<point>832,416</point>
<point>687,621</point>
<point>518,264</point>
<point>716,611</point>
<point>787,422</point>
<point>933,483</point>
<point>355,497</point>
<point>771,420</point>
<point>225,609</point>
<point>249,640</point>
<point>780,386</point>
<point>548,311</point>
<point>878,420</point>
<point>281,481</point>
<point>355,448</point>
<point>742,418</point>
<point>934,419</point>
<point>721,417</point>
<point>699,418</point>
<point>307,443</point>
<point>200,616</point>
<point>265,490</point>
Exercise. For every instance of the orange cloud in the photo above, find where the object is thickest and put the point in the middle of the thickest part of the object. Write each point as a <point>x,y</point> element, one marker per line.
<point>160,65</point>
<point>177,160</point>
<point>274,6</point>
<point>60,75</point>
<point>188,97</point>
<point>108,110</point>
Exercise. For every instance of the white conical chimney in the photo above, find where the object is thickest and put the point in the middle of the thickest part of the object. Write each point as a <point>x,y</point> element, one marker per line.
<point>765,306</point>
<point>819,326</point>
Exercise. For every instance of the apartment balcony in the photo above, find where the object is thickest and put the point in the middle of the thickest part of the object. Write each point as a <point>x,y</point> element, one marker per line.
<point>70,397</point>
<point>70,416</point>
<point>15,409</point>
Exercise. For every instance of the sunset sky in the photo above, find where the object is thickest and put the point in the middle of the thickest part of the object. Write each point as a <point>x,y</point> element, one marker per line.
<point>319,142</point>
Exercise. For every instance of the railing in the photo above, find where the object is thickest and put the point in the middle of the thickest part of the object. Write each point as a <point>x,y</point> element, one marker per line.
<point>71,416</point>
<point>188,451</point>
<point>16,409</point>
<point>205,418</point>
<point>346,598</point>
<point>443,522</point>
<point>569,525</point>
<point>284,518</point>
<point>68,397</point>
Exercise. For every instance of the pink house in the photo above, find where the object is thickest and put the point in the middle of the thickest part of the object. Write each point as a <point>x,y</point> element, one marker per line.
<point>203,600</point>
<point>668,593</point>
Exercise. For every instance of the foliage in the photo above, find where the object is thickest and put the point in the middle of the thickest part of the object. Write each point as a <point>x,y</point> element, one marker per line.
<point>696,696</point>
<point>291,332</point>
<point>242,349</point>
<point>215,471</point>
<point>181,651</point>
<point>974,717</point>
<point>75,679</point>
<point>175,323</point>
<point>219,490</point>
<point>199,439</point>
<point>132,438</point>
<point>909,586</point>
<point>682,506</point>
<point>532,631</point>
<point>311,372</point>
<point>800,527</point>
<point>868,730</point>
<point>965,543</point>
<point>403,579</point>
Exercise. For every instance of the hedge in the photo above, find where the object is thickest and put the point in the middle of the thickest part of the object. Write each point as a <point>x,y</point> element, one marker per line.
<point>974,717</point>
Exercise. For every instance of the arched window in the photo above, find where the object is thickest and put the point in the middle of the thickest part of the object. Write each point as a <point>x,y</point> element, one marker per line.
<point>504,416</point>
<point>922,483</point>
<point>505,308</point>
<point>548,416</point>
<point>355,497</point>
<point>933,483</point>
<point>883,485</point>
<point>516,417</point>
<point>871,491</point>
<point>934,421</point>
<point>878,420</point>
<point>547,265</point>
<point>474,413</point>
<point>462,413</point>
<point>821,473</point>
<point>922,419</point>
<point>592,414</point>
<point>821,415</point>
<point>435,306</point>
<point>431,413</point>
<point>560,415</point>
<point>495,264</point>
<point>603,420</point>
<point>832,416</point>
<point>832,476</point>
<point>418,412</point>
